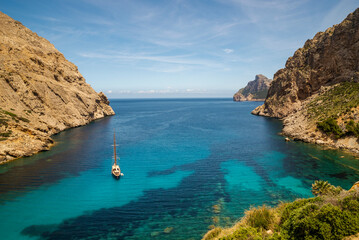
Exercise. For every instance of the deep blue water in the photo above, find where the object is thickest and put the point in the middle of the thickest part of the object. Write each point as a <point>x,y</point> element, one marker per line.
<point>188,164</point>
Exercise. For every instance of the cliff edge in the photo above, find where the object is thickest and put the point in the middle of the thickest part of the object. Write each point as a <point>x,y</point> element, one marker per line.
<point>314,78</point>
<point>41,93</point>
<point>255,90</point>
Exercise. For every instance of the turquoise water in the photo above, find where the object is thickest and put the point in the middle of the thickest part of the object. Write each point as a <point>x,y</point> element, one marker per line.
<point>188,164</point>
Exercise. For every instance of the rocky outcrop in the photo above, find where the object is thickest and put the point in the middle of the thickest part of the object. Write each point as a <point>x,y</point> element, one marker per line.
<point>327,60</point>
<point>41,93</point>
<point>255,90</point>
<point>355,187</point>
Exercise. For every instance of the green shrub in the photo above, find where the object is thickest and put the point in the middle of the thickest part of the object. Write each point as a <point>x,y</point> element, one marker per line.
<point>5,134</point>
<point>330,126</point>
<point>318,218</point>
<point>352,128</point>
<point>3,121</point>
<point>320,187</point>
<point>290,207</point>
<point>313,221</point>
<point>24,119</point>
<point>350,203</point>
<point>13,115</point>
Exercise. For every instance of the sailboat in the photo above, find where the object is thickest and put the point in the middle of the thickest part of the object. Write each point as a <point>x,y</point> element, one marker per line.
<point>116,171</point>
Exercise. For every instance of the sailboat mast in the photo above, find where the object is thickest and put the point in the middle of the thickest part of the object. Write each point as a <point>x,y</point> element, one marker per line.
<point>114,147</point>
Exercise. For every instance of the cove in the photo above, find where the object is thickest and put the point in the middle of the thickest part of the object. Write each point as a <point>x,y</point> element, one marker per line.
<point>188,164</point>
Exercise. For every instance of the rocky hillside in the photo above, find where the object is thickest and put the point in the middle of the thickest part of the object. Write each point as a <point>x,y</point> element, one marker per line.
<point>41,93</point>
<point>255,90</point>
<point>311,81</point>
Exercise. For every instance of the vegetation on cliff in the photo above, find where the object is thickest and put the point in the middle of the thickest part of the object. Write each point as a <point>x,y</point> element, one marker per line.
<point>337,101</point>
<point>335,111</point>
<point>5,117</point>
<point>255,96</point>
<point>332,214</point>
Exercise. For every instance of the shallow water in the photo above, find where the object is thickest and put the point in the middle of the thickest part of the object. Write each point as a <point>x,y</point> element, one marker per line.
<point>188,164</point>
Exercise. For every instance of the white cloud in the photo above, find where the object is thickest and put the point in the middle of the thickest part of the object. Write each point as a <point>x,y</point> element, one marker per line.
<point>147,91</point>
<point>187,59</point>
<point>124,91</point>
<point>167,69</point>
<point>273,4</point>
<point>172,91</point>
<point>228,50</point>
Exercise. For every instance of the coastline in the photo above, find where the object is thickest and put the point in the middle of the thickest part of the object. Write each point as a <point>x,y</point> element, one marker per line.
<point>300,125</point>
<point>349,145</point>
<point>31,150</point>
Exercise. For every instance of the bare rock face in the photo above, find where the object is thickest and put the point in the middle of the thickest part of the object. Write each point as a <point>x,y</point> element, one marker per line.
<point>41,93</point>
<point>329,58</point>
<point>255,90</point>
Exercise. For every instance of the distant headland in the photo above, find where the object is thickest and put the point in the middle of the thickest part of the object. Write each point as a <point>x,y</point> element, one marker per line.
<point>255,90</point>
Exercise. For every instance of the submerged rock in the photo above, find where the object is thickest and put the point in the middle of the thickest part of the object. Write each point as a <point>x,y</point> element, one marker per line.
<point>155,234</point>
<point>168,230</point>
<point>216,208</point>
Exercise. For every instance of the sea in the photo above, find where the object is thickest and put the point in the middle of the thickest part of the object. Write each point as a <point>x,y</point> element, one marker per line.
<point>189,165</point>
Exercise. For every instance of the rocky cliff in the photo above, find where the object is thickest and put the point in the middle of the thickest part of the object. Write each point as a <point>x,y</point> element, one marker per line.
<point>313,79</point>
<point>329,58</point>
<point>41,93</point>
<point>255,90</point>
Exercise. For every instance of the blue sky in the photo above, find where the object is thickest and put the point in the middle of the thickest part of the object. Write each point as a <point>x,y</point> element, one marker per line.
<point>176,48</point>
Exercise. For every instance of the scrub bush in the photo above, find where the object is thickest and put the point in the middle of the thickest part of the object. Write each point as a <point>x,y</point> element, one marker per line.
<point>330,126</point>
<point>352,128</point>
